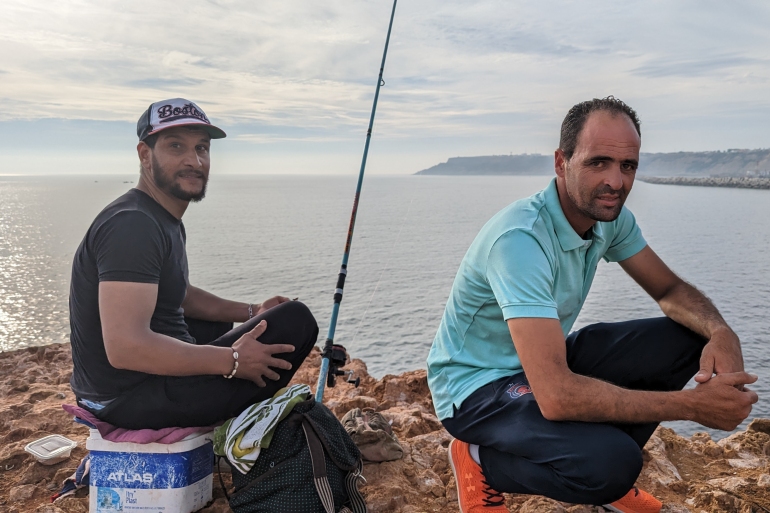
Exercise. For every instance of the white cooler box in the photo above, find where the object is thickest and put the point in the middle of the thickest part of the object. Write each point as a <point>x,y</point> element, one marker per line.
<point>150,478</point>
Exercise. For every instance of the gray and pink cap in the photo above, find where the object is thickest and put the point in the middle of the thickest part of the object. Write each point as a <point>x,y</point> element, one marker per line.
<point>174,112</point>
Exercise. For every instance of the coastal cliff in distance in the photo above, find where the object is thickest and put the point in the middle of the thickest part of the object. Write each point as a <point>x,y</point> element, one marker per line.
<point>730,163</point>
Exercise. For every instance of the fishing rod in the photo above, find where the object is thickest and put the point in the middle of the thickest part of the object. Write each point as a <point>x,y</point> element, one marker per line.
<point>332,357</point>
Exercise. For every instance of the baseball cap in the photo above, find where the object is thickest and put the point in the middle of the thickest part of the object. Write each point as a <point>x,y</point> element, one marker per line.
<point>174,112</point>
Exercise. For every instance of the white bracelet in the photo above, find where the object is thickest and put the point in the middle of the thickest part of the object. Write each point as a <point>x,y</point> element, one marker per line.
<point>251,311</point>
<point>235,365</point>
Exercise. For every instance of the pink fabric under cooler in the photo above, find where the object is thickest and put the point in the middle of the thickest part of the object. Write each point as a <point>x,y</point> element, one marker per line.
<point>112,433</point>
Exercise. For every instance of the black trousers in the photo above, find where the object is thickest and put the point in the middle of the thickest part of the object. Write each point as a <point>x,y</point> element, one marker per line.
<point>577,462</point>
<point>169,401</point>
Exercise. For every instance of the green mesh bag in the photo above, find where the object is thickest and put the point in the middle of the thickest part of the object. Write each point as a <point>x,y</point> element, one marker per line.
<point>311,466</point>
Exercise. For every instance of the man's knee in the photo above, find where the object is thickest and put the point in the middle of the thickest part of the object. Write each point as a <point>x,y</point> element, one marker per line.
<point>299,311</point>
<point>296,316</point>
<point>609,470</point>
<point>669,329</point>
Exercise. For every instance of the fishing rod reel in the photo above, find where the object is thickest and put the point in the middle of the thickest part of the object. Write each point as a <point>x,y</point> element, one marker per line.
<point>338,357</point>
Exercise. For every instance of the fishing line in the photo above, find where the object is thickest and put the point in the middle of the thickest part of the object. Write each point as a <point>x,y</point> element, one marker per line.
<point>329,362</point>
<point>382,273</point>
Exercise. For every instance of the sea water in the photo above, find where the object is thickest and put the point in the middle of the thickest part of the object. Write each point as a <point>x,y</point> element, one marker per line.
<point>257,236</point>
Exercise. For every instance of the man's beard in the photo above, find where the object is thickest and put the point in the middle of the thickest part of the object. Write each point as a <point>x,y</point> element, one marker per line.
<point>585,202</point>
<point>169,185</point>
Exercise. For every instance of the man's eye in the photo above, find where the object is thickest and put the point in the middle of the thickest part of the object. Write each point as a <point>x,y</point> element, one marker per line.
<point>203,149</point>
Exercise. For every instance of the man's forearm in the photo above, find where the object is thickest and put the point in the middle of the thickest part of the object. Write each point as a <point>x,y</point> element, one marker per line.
<point>691,308</point>
<point>585,399</point>
<point>563,395</point>
<point>206,306</point>
<point>721,403</point>
<point>154,353</point>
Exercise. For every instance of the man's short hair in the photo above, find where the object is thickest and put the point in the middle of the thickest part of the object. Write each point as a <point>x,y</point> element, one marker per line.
<point>577,115</point>
<point>151,140</point>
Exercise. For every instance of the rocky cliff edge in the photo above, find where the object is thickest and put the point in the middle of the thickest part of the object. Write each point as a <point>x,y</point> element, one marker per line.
<point>693,474</point>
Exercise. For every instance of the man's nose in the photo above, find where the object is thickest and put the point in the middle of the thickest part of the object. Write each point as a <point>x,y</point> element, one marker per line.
<point>193,159</point>
<point>614,177</point>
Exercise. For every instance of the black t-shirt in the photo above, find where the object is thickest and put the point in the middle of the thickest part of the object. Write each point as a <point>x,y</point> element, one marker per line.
<point>133,239</point>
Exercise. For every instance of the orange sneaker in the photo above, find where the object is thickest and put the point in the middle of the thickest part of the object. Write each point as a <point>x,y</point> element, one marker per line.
<point>635,501</point>
<point>473,492</point>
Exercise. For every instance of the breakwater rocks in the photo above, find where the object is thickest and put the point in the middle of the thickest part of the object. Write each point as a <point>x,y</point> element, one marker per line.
<point>710,181</point>
<point>693,474</point>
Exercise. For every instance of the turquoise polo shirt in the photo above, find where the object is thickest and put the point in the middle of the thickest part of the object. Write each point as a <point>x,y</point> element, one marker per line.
<point>527,261</point>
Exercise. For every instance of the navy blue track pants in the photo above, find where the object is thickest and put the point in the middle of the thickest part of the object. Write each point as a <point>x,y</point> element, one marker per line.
<point>577,462</point>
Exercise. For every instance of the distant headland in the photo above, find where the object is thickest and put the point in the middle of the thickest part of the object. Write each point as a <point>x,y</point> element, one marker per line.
<point>730,163</point>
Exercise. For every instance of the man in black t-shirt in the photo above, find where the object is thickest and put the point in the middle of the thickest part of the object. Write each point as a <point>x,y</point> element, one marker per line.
<point>137,363</point>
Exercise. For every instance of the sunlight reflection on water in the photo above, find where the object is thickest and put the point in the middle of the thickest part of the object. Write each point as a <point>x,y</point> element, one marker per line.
<point>257,236</point>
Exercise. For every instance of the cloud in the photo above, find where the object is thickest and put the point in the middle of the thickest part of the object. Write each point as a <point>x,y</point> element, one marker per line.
<point>489,76</point>
<point>160,83</point>
<point>661,67</point>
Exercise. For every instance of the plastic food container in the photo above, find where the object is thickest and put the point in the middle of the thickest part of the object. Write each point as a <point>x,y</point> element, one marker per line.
<point>51,449</point>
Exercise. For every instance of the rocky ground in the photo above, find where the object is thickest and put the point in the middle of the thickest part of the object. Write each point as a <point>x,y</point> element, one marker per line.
<point>688,474</point>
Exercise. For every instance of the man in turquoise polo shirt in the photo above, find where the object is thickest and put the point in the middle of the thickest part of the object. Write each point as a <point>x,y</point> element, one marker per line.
<point>536,409</point>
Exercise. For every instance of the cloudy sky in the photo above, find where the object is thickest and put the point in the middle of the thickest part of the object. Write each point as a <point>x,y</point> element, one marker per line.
<point>292,81</point>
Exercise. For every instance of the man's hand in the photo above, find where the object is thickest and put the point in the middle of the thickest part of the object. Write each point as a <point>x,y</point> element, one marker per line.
<point>256,358</point>
<point>722,402</point>
<point>721,355</point>
<point>270,303</point>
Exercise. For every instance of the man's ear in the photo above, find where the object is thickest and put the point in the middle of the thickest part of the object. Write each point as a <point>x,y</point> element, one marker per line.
<point>145,155</point>
<point>560,163</point>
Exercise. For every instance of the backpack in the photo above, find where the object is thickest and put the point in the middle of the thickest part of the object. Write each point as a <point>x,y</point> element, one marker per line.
<point>311,466</point>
